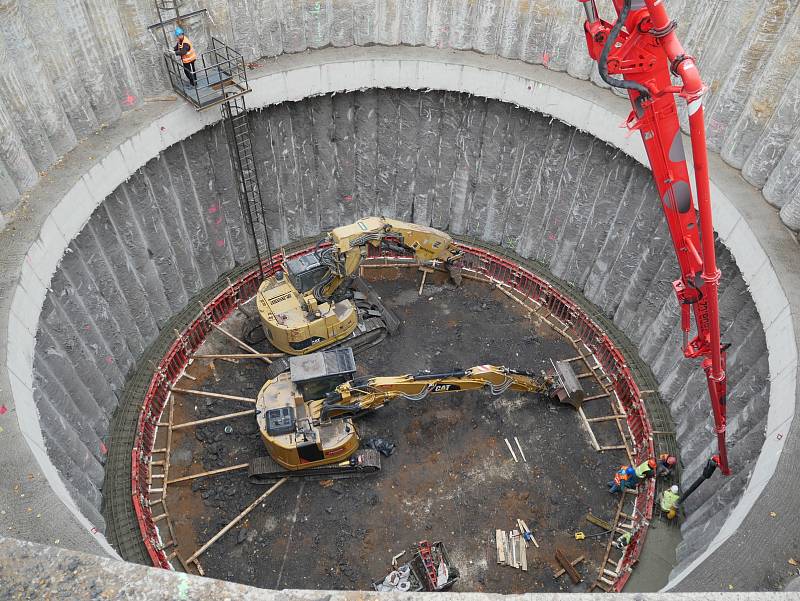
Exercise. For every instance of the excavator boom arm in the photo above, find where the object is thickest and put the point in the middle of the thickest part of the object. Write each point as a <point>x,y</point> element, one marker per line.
<point>642,47</point>
<point>359,396</point>
<point>349,244</point>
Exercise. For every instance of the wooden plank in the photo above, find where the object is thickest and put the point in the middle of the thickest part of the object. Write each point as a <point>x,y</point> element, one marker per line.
<point>593,519</point>
<point>217,418</point>
<point>574,562</point>
<point>221,470</point>
<point>216,395</point>
<point>569,569</point>
<point>586,423</point>
<point>241,344</point>
<point>523,555</point>
<point>236,520</point>
<point>605,418</point>
<point>501,552</point>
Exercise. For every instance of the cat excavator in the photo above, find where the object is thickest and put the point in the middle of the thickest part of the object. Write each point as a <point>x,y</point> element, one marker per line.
<point>311,305</point>
<point>305,415</point>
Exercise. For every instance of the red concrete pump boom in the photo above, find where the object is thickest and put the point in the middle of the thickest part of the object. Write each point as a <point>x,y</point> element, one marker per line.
<point>642,47</point>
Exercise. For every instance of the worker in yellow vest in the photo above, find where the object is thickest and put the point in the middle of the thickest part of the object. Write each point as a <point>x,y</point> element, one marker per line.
<point>645,469</point>
<point>669,501</point>
<point>185,49</point>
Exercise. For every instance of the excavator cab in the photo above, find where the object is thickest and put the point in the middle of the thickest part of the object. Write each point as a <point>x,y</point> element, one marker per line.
<point>319,373</point>
<point>305,272</point>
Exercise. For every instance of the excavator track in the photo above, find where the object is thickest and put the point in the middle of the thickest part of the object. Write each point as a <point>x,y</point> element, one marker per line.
<point>375,323</point>
<point>363,463</point>
<point>369,332</point>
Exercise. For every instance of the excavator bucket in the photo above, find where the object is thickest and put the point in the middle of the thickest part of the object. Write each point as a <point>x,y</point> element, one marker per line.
<point>568,386</point>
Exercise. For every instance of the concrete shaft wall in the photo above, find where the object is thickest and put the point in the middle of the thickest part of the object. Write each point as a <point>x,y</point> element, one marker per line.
<point>469,165</point>
<point>99,61</point>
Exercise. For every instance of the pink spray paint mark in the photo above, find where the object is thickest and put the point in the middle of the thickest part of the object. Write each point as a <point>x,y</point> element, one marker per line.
<point>220,243</point>
<point>130,100</point>
<point>87,327</point>
<point>3,409</point>
<point>103,448</point>
<point>213,209</point>
<point>218,220</point>
<point>551,236</point>
<point>109,360</point>
<point>545,58</point>
<point>348,197</point>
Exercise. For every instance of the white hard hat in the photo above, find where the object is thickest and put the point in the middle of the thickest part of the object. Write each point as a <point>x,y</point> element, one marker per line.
<point>674,488</point>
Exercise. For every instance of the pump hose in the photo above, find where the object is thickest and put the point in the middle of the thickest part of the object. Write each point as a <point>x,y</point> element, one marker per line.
<point>602,64</point>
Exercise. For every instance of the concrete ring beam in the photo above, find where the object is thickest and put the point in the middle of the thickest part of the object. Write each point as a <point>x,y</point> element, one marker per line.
<point>763,249</point>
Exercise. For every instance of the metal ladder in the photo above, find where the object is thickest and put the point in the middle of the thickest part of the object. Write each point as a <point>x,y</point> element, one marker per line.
<point>240,147</point>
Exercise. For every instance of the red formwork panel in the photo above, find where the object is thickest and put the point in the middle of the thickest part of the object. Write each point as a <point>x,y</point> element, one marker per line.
<point>492,266</point>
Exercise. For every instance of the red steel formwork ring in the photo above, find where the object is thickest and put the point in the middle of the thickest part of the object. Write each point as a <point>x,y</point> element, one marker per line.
<point>498,269</point>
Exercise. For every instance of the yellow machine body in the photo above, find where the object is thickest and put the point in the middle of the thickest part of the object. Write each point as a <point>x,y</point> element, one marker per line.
<point>305,416</point>
<point>297,306</point>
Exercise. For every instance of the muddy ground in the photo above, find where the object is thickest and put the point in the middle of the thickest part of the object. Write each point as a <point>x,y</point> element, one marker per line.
<point>450,479</point>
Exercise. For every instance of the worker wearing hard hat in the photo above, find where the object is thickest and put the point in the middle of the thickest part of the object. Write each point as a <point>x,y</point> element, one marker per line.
<point>666,465</point>
<point>645,469</point>
<point>669,501</point>
<point>185,50</point>
<point>624,478</point>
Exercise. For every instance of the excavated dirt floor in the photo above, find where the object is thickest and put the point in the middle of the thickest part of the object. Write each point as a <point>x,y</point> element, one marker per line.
<point>451,477</point>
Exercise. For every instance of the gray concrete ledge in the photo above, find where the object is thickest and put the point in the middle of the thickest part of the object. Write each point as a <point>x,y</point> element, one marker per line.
<point>61,205</point>
<point>32,571</point>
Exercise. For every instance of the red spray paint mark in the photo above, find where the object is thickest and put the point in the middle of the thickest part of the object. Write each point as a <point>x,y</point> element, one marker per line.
<point>103,448</point>
<point>109,359</point>
<point>545,58</point>
<point>87,327</point>
<point>218,220</point>
<point>551,236</point>
<point>220,243</point>
<point>130,100</point>
<point>213,209</point>
<point>3,409</point>
<point>347,197</point>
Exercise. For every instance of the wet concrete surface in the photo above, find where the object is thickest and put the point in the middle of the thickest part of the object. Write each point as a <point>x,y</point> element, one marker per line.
<point>451,477</point>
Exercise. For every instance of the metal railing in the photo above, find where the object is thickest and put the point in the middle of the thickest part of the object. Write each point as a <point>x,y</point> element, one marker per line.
<point>219,71</point>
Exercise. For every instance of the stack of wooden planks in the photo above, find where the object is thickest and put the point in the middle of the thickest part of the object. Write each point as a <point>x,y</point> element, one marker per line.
<point>511,549</point>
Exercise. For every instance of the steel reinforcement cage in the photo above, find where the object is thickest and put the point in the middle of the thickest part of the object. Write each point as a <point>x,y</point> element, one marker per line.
<point>492,266</point>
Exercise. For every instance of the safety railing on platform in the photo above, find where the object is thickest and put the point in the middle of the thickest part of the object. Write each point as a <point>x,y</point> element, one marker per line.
<point>489,265</point>
<point>220,75</point>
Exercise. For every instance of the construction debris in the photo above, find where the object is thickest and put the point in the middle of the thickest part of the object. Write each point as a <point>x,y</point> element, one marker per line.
<point>511,549</point>
<point>573,563</point>
<point>593,519</point>
<point>508,444</point>
<point>520,450</point>
<point>568,566</point>
<point>428,570</point>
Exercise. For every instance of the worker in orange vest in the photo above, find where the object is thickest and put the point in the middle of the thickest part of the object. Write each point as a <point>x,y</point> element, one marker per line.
<point>185,49</point>
<point>624,478</point>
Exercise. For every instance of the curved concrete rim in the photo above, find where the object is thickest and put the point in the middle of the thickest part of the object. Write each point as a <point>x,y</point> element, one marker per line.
<point>759,252</point>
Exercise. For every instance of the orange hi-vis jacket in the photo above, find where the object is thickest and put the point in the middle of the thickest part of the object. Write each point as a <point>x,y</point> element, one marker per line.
<point>190,56</point>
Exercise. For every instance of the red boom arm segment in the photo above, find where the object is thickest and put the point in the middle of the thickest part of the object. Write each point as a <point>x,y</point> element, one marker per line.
<point>642,47</point>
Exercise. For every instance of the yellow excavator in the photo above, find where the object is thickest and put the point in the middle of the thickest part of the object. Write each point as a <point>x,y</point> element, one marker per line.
<point>305,415</point>
<point>310,305</point>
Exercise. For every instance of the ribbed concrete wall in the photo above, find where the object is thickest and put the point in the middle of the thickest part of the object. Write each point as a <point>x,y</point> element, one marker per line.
<point>99,60</point>
<point>465,164</point>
